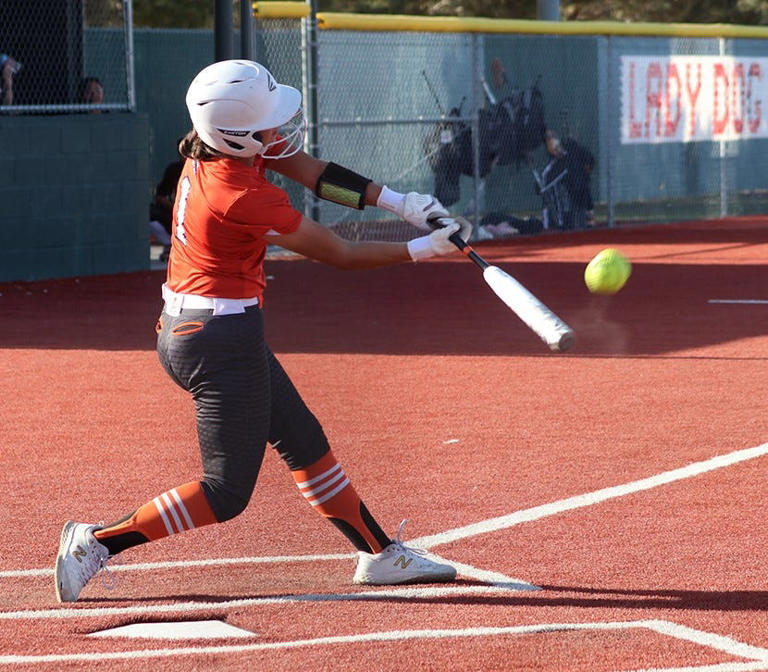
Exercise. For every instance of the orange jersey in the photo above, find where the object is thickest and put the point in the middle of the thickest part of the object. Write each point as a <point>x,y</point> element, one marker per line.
<point>222,211</point>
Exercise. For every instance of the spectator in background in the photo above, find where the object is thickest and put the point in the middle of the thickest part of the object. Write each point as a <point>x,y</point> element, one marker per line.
<point>9,66</point>
<point>161,207</point>
<point>577,162</point>
<point>92,92</point>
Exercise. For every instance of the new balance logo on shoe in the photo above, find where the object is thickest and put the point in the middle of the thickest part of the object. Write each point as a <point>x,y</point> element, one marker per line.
<point>398,563</point>
<point>80,557</point>
<point>402,562</point>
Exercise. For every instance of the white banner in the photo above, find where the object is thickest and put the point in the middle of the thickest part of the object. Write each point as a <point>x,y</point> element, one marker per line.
<point>692,98</point>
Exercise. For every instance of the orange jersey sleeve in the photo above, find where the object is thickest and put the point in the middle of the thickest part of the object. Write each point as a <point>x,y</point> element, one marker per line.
<point>223,210</point>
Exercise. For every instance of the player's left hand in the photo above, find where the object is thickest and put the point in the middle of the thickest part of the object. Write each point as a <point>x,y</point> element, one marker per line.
<point>463,226</point>
<point>417,208</point>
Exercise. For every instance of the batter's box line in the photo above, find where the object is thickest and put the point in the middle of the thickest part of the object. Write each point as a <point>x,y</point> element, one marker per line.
<point>473,529</point>
<point>384,594</point>
<point>494,579</point>
<point>757,658</point>
<point>495,583</point>
<point>468,571</point>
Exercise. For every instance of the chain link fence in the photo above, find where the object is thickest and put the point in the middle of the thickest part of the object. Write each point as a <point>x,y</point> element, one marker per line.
<point>281,45</point>
<point>66,56</point>
<point>524,133</point>
<point>519,131</point>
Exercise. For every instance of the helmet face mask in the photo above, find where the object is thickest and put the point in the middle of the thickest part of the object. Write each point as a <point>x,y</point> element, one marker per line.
<point>290,138</point>
<point>230,102</point>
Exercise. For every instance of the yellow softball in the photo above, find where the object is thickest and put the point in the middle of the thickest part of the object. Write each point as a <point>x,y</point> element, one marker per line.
<point>608,272</point>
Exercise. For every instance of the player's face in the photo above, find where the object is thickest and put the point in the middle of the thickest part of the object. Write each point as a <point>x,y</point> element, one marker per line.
<point>270,135</point>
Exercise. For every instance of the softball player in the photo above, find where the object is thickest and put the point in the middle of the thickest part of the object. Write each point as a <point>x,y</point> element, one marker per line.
<point>211,337</point>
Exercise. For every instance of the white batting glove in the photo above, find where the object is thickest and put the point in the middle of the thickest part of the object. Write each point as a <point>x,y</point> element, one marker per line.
<point>437,243</point>
<point>413,207</point>
<point>465,226</point>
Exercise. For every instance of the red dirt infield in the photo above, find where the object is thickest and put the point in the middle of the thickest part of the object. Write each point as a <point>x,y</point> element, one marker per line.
<point>605,505</point>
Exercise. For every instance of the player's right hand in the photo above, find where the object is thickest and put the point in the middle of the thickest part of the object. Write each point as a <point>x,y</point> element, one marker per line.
<point>437,243</point>
<point>438,239</point>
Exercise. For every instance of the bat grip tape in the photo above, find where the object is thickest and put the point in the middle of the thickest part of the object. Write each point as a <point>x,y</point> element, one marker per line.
<point>467,251</point>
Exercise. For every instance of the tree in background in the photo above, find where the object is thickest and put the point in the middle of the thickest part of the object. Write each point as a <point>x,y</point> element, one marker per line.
<point>173,14</point>
<point>523,9</point>
<point>747,12</point>
<point>199,14</point>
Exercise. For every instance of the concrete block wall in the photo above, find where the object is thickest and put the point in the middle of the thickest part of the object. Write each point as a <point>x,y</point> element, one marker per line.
<point>74,195</point>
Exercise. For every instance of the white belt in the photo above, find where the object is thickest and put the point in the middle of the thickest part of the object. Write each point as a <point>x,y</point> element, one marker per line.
<point>175,303</point>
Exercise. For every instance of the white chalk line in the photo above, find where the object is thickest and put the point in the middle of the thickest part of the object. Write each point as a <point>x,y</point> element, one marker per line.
<point>474,529</point>
<point>591,498</point>
<point>495,579</point>
<point>758,657</point>
<point>743,301</point>
<point>712,640</point>
<point>490,525</point>
<point>757,666</point>
<point>408,593</point>
<point>469,571</point>
<point>182,564</point>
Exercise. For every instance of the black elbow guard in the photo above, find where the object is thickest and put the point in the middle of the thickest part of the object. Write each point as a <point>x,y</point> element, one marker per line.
<point>343,186</point>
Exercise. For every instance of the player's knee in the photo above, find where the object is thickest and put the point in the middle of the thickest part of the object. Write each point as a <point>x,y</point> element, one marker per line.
<point>227,500</point>
<point>304,447</point>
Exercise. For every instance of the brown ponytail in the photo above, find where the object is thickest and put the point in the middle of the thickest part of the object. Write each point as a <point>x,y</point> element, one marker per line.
<point>192,146</point>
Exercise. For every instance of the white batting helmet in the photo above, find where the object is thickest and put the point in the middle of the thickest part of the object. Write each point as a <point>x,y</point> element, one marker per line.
<point>229,102</point>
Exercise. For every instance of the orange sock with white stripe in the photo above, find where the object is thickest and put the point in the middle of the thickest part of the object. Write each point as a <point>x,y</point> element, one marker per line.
<point>328,489</point>
<point>178,510</point>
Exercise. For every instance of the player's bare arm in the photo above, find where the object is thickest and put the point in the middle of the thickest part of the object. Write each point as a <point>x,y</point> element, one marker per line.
<point>308,171</point>
<point>339,184</point>
<point>317,242</point>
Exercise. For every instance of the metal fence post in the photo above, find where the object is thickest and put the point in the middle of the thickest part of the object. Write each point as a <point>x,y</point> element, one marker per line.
<point>130,78</point>
<point>246,29</point>
<point>476,102</point>
<point>548,10</point>
<point>223,27</point>
<point>723,154</point>
<point>612,129</point>
<point>310,96</point>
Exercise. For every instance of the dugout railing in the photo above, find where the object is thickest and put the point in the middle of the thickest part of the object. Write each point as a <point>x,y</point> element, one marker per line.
<point>675,115</point>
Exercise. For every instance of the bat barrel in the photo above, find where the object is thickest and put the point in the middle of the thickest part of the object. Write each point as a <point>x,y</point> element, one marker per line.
<point>558,336</point>
<point>565,342</point>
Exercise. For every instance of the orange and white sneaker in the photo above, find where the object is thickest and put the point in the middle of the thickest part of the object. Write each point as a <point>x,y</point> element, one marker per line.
<point>80,558</point>
<point>398,563</point>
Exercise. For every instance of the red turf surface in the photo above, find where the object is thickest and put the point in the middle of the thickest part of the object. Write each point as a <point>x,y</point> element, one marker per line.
<point>444,409</point>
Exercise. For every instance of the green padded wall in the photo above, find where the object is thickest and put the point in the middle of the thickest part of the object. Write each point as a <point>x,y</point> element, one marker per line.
<point>74,195</point>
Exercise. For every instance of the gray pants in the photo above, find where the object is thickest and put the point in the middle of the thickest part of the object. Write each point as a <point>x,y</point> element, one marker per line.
<point>243,399</point>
